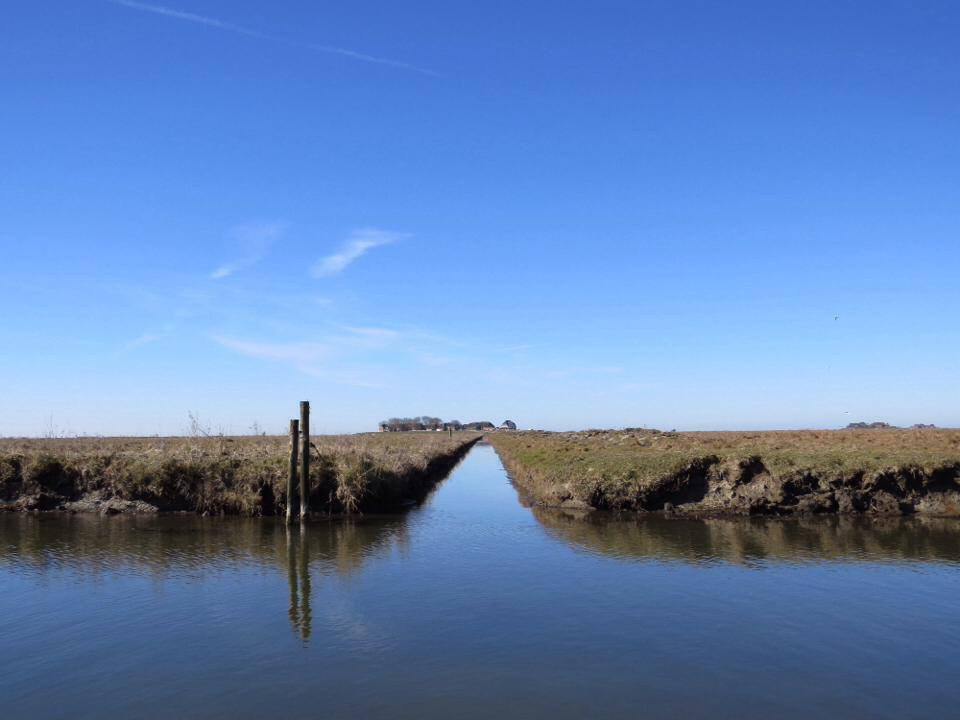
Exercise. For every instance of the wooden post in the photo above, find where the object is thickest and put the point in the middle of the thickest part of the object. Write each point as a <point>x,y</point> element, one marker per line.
<point>304,459</point>
<point>292,477</point>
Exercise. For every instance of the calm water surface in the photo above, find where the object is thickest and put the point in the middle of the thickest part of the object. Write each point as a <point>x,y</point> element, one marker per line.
<point>475,606</point>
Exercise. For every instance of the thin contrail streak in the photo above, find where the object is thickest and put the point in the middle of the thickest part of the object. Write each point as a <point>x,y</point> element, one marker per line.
<point>230,27</point>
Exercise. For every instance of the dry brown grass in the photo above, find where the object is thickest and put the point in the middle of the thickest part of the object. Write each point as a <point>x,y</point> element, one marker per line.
<point>225,475</point>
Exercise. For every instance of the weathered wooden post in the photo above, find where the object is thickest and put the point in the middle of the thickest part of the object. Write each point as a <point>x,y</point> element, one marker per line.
<point>292,476</point>
<point>304,459</point>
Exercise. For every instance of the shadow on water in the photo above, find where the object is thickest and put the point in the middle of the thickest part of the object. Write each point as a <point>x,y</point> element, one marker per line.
<point>749,541</point>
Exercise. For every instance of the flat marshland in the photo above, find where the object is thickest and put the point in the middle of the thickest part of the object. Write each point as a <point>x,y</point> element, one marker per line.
<point>223,475</point>
<point>877,471</point>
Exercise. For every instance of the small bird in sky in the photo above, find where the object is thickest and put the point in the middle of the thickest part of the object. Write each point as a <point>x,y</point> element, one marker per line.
<point>836,317</point>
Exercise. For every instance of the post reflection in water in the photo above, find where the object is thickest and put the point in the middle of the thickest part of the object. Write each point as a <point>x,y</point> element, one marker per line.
<point>298,577</point>
<point>342,547</point>
<point>305,616</point>
<point>293,578</point>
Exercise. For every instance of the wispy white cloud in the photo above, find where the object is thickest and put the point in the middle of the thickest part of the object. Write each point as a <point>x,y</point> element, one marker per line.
<point>432,360</point>
<point>638,386</point>
<point>224,271</point>
<point>350,378</point>
<point>570,372</point>
<point>301,354</point>
<point>374,333</point>
<point>324,360</point>
<point>184,16</point>
<point>144,339</point>
<point>253,242</point>
<point>358,244</point>
<point>149,337</point>
<point>188,16</point>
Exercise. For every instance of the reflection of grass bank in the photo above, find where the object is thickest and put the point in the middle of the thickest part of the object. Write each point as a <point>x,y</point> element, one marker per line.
<point>748,540</point>
<point>162,545</point>
<point>243,475</point>
<point>167,546</point>
<point>852,471</point>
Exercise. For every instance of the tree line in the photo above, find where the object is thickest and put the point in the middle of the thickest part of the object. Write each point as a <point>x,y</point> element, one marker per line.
<point>427,422</point>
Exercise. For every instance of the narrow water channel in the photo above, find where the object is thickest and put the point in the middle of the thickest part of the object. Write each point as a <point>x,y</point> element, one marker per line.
<point>474,606</point>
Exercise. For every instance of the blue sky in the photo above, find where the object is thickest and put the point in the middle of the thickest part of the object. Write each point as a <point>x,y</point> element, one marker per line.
<point>673,214</point>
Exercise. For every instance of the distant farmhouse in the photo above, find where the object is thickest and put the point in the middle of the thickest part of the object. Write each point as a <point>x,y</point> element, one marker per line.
<point>508,425</point>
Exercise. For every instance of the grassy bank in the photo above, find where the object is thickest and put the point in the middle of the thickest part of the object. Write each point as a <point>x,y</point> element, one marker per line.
<point>223,475</point>
<point>887,471</point>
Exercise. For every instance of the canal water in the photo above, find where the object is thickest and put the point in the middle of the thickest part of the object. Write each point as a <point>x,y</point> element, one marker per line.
<point>474,606</point>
